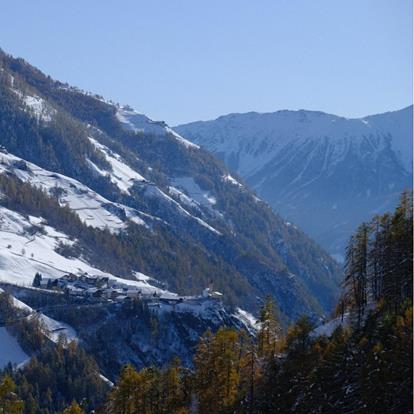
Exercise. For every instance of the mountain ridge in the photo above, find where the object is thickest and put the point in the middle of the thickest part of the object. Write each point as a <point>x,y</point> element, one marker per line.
<point>298,160</point>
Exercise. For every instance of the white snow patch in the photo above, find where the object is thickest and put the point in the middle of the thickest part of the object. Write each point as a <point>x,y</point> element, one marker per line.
<point>153,191</point>
<point>122,175</point>
<point>183,197</point>
<point>194,191</point>
<point>137,122</point>
<point>39,108</point>
<point>329,327</point>
<point>106,380</point>
<point>179,138</point>
<point>10,350</point>
<point>36,105</point>
<point>247,318</point>
<point>230,179</point>
<point>56,329</point>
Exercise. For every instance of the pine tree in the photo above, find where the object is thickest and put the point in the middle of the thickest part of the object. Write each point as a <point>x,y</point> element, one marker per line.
<point>270,330</point>
<point>37,280</point>
<point>402,248</point>
<point>356,271</point>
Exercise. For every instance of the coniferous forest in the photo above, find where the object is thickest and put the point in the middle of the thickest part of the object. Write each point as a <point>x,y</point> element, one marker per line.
<point>359,361</point>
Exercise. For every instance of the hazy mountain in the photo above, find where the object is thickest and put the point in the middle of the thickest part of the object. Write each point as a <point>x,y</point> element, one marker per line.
<point>323,172</point>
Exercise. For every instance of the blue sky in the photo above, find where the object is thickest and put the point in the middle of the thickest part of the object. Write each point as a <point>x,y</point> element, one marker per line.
<point>185,60</point>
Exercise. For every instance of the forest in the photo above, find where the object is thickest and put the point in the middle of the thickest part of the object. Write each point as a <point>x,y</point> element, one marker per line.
<point>359,362</point>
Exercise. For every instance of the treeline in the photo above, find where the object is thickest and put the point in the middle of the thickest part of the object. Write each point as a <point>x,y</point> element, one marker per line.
<point>379,261</point>
<point>28,331</point>
<point>362,366</point>
<point>364,371</point>
<point>57,375</point>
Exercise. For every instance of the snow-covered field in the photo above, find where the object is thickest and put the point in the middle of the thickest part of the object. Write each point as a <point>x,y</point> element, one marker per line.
<point>56,328</point>
<point>22,254</point>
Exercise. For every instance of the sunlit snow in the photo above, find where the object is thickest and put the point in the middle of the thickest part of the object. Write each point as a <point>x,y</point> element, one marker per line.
<point>137,122</point>
<point>121,175</point>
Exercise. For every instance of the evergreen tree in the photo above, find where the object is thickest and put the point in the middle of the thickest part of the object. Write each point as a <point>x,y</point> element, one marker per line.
<point>356,271</point>
<point>37,280</point>
<point>269,330</point>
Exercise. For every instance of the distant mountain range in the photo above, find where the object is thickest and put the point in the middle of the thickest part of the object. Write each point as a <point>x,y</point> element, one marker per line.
<point>322,172</point>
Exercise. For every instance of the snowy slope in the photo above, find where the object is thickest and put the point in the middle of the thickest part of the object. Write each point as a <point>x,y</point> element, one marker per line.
<point>10,350</point>
<point>312,166</point>
<point>122,175</point>
<point>90,206</point>
<point>194,191</point>
<point>398,125</point>
<point>137,122</point>
<point>36,106</point>
<point>22,254</point>
<point>52,329</point>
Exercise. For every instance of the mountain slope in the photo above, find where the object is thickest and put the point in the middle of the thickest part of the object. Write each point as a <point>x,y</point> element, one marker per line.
<point>315,168</point>
<point>141,198</point>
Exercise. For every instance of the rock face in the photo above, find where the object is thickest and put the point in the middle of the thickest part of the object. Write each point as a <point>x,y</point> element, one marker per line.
<point>323,172</point>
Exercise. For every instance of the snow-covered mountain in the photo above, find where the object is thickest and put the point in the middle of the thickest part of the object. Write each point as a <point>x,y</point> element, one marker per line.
<point>92,186</point>
<point>323,172</point>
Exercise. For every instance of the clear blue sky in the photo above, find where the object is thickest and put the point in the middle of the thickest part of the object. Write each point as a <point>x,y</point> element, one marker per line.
<point>187,60</point>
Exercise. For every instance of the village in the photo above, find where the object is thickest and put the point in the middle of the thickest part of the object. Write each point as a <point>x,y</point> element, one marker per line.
<point>102,288</point>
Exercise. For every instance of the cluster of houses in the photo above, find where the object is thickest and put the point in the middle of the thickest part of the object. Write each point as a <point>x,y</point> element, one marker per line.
<point>105,288</point>
<point>91,286</point>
